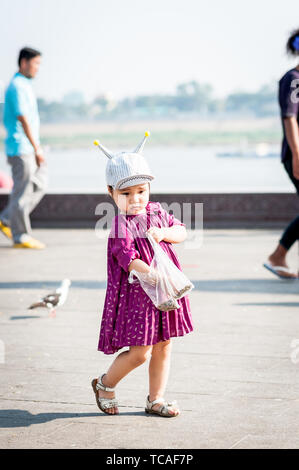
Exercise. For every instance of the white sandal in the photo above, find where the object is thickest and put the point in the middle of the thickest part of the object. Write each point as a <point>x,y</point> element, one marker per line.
<point>103,403</point>
<point>283,269</point>
<point>163,410</point>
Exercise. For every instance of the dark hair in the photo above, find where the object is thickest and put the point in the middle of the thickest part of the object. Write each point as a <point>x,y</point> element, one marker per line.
<point>111,189</point>
<point>110,192</point>
<point>290,48</point>
<point>27,53</point>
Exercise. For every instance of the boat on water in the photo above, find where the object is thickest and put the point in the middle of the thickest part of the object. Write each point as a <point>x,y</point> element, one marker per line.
<point>262,150</point>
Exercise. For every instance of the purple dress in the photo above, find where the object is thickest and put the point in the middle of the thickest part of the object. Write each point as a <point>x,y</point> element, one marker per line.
<point>129,317</point>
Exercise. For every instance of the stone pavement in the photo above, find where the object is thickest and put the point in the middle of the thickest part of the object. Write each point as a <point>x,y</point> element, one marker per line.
<point>235,377</point>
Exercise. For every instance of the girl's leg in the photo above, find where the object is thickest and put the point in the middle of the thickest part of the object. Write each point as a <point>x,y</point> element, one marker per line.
<point>124,363</point>
<point>158,371</point>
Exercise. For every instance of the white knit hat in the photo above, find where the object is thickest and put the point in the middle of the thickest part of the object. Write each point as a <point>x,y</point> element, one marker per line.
<point>126,168</point>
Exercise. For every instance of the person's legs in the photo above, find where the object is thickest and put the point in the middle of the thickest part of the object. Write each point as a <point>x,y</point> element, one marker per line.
<point>39,180</point>
<point>124,363</point>
<point>5,213</point>
<point>290,235</point>
<point>278,256</point>
<point>22,171</point>
<point>158,372</point>
<point>29,187</point>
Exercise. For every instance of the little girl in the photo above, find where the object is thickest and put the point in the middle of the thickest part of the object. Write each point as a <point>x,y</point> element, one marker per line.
<point>130,318</point>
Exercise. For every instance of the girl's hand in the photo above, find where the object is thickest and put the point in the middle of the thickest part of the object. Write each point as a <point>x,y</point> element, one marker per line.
<point>150,278</point>
<point>157,233</point>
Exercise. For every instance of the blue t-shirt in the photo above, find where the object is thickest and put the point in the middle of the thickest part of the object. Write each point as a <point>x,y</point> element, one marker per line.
<point>20,101</point>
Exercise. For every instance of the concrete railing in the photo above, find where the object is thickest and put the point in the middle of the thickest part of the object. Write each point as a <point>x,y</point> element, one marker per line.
<point>227,210</point>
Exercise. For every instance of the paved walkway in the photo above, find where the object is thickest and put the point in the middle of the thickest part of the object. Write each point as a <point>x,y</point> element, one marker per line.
<point>233,376</point>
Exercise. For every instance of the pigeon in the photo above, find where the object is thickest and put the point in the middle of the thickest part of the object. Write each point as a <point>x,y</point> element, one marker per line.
<point>55,299</point>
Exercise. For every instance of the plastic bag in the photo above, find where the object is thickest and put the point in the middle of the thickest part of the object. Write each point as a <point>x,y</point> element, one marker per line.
<point>165,283</point>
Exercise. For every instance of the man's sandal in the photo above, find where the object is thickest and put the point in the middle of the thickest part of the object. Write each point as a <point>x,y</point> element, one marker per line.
<point>163,410</point>
<point>103,403</point>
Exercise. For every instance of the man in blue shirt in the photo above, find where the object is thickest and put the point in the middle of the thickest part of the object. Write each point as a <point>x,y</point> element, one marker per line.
<point>24,153</point>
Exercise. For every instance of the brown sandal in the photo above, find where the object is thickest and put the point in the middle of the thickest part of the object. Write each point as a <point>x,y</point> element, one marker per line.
<point>103,403</point>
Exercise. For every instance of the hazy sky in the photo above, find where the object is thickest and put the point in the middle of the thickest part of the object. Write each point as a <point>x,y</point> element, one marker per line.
<point>129,47</point>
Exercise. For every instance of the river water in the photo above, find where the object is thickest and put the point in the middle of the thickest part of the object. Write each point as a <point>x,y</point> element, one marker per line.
<point>177,169</point>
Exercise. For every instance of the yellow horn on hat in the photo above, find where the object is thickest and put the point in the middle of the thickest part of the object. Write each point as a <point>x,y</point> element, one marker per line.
<point>140,146</point>
<point>104,150</point>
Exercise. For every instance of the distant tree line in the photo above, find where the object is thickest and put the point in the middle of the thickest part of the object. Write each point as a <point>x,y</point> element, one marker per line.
<point>191,99</point>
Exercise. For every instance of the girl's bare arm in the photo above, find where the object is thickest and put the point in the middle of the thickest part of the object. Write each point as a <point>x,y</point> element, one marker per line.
<point>175,234</point>
<point>139,266</point>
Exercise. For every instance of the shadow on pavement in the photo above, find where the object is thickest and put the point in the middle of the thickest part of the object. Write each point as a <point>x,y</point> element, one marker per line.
<point>207,285</point>
<point>84,284</point>
<point>248,285</point>
<point>269,304</point>
<point>23,418</point>
<point>24,317</point>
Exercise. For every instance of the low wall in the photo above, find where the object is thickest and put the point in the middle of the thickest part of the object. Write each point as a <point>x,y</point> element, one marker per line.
<point>227,210</point>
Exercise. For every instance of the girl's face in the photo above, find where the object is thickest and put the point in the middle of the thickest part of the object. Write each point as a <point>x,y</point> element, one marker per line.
<point>132,200</point>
